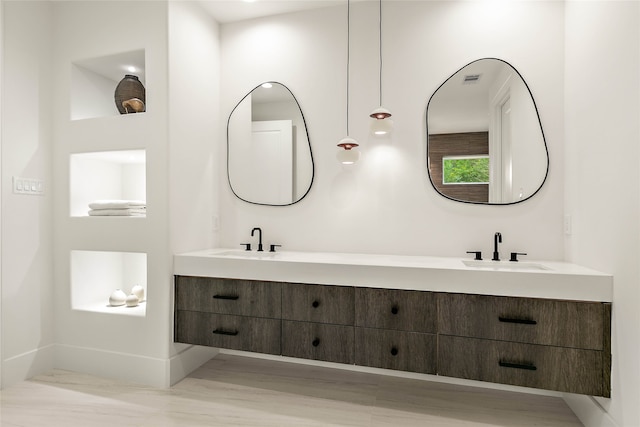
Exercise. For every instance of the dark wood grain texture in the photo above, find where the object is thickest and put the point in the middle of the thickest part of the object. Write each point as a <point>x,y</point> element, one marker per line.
<point>229,296</point>
<point>458,144</point>
<point>561,323</point>
<point>556,368</point>
<point>225,331</point>
<point>396,309</point>
<point>606,351</point>
<point>318,341</point>
<point>318,303</point>
<point>403,351</point>
<point>458,335</point>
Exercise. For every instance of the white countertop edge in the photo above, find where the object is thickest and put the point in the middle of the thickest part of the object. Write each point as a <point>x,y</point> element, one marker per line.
<point>437,274</point>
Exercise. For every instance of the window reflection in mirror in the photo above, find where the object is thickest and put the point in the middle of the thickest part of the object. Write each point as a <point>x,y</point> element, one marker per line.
<point>457,170</point>
<point>486,110</point>
<point>269,159</point>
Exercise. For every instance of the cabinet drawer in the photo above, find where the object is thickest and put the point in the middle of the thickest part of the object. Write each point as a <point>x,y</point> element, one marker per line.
<point>228,296</point>
<point>396,309</point>
<point>318,303</point>
<point>317,341</point>
<point>403,351</point>
<point>552,368</point>
<point>537,321</point>
<point>225,331</point>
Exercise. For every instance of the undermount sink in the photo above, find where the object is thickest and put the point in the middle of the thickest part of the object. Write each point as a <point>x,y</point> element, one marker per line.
<point>504,265</point>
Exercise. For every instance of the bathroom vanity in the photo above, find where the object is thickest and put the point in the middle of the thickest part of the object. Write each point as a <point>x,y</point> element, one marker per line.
<point>543,325</point>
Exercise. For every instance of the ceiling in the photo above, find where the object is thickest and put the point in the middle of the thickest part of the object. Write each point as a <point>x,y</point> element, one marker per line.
<point>225,11</point>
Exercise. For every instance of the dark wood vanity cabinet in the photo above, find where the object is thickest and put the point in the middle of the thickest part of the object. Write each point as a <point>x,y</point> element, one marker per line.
<point>318,341</point>
<point>539,366</point>
<point>228,313</point>
<point>226,331</point>
<point>541,343</point>
<point>318,303</point>
<point>573,324</point>
<point>396,329</point>
<point>399,350</point>
<point>229,296</point>
<point>318,322</point>
<point>401,310</point>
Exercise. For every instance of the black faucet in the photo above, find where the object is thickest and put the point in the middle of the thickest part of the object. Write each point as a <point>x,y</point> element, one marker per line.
<point>496,239</point>
<point>259,237</point>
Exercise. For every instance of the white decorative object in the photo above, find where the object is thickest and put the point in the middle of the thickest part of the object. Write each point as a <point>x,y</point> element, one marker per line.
<point>138,291</point>
<point>118,297</point>
<point>132,300</point>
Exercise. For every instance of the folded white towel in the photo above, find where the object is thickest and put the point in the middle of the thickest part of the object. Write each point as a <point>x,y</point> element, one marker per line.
<point>118,212</point>
<point>117,204</point>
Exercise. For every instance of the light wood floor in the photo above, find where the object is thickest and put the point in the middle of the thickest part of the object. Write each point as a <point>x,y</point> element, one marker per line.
<point>239,391</point>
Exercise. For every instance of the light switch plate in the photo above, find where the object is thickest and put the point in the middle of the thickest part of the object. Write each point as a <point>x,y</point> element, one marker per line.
<point>29,186</point>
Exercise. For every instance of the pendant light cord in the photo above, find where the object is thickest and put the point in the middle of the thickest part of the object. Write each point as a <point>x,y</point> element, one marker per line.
<point>380,47</point>
<point>348,56</point>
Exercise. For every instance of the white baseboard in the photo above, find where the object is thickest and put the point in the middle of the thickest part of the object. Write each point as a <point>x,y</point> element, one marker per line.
<point>132,368</point>
<point>26,365</point>
<point>590,413</point>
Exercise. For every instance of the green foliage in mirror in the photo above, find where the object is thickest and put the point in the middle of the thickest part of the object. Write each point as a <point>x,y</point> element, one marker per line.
<point>465,170</point>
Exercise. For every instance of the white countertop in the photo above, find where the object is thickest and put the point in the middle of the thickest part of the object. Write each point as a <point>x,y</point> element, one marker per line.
<point>534,279</point>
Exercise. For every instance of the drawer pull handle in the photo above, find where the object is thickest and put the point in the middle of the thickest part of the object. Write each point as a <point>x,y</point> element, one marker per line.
<point>315,304</point>
<point>526,366</point>
<point>316,342</point>
<point>223,332</point>
<point>228,297</point>
<point>394,351</point>
<point>394,310</point>
<point>520,321</point>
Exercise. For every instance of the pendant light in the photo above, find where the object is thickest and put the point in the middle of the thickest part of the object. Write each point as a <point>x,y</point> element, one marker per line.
<point>348,153</point>
<point>381,124</point>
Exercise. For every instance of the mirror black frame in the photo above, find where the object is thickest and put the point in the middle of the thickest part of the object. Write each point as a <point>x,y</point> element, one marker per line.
<point>544,140</point>
<point>306,130</point>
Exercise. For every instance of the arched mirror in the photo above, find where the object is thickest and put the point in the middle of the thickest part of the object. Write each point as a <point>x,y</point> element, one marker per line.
<point>485,142</point>
<point>269,160</point>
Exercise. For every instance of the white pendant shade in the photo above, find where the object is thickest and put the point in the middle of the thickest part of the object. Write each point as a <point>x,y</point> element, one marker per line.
<point>380,113</point>
<point>381,126</point>
<point>347,154</point>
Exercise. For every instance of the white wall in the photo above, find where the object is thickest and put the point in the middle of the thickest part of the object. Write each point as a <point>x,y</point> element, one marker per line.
<point>194,123</point>
<point>385,204</point>
<point>602,115</point>
<point>27,283</point>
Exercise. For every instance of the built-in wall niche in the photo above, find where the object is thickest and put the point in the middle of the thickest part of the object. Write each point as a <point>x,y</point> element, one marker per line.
<point>94,80</point>
<point>108,176</point>
<point>95,275</point>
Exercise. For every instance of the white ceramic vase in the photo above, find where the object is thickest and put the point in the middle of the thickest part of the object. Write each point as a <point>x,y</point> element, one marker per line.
<point>132,300</point>
<point>118,297</point>
<point>138,291</point>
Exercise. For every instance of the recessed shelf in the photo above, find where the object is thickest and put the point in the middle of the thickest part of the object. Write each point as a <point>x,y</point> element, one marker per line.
<point>96,274</point>
<point>106,175</point>
<point>94,80</point>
